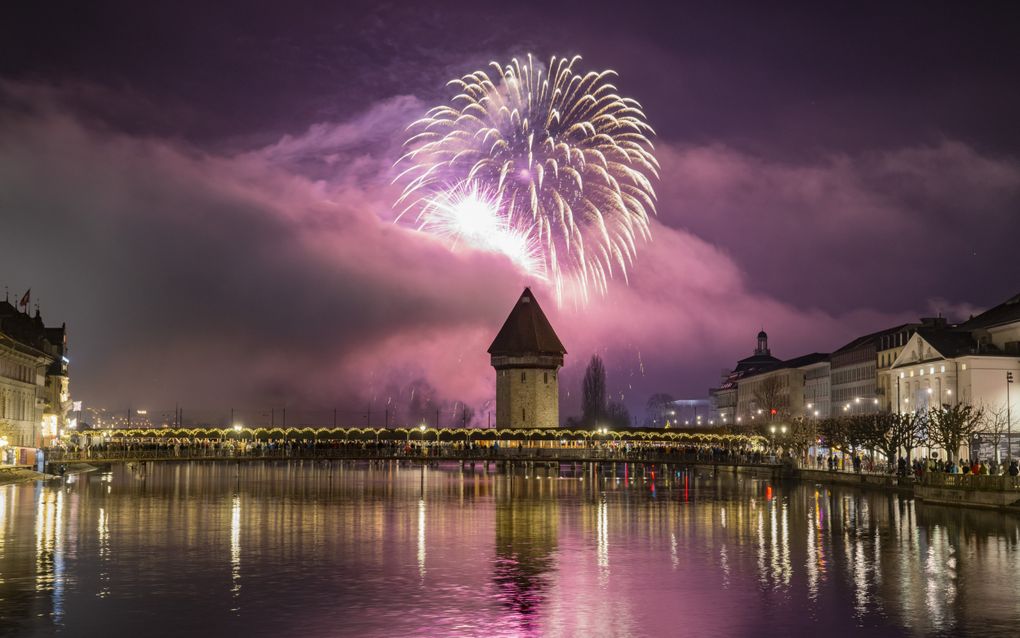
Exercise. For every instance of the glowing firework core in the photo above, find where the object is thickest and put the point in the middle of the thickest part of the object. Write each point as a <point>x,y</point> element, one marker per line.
<point>472,217</point>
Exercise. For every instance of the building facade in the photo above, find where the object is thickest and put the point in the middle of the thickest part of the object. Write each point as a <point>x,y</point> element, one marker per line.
<point>889,345</point>
<point>970,363</point>
<point>762,383</point>
<point>817,389</point>
<point>35,395</point>
<point>527,356</point>
<point>726,399</point>
<point>858,367</point>
<point>784,392</point>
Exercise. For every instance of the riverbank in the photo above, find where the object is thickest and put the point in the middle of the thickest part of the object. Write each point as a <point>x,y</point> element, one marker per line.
<point>954,491</point>
<point>879,481</point>
<point>12,474</point>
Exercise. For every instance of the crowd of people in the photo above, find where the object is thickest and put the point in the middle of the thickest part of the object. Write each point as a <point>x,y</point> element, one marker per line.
<point>858,463</point>
<point>973,467</point>
<point>254,448</point>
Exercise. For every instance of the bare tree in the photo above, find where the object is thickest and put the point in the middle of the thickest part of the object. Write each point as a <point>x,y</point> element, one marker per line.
<point>768,395</point>
<point>994,427</point>
<point>617,415</point>
<point>833,431</point>
<point>951,426</point>
<point>911,430</point>
<point>802,435</point>
<point>859,432</point>
<point>884,436</point>
<point>593,392</point>
<point>658,408</point>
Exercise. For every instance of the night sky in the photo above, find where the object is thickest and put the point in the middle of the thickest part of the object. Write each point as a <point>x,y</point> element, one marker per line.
<point>204,193</point>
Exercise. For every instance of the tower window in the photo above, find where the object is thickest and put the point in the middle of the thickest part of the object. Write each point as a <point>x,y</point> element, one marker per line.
<point>523,374</point>
<point>546,377</point>
<point>523,412</point>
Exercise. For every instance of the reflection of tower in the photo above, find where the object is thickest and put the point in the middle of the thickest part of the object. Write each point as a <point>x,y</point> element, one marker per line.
<point>527,356</point>
<point>526,535</point>
<point>763,344</point>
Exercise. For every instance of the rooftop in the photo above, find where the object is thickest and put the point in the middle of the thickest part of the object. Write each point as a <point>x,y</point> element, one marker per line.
<point>526,331</point>
<point>1006,312</point>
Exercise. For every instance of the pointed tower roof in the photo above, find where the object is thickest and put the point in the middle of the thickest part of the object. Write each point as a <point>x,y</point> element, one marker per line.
<point>526,331</point>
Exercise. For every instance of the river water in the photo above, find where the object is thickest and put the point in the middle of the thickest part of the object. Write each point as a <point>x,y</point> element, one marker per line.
<point>312,549</point>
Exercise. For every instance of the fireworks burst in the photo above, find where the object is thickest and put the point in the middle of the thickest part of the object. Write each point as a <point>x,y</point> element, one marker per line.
<point>555,165</point>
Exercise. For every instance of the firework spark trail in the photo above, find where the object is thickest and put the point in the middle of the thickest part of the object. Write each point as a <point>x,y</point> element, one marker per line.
<point>565,161</point>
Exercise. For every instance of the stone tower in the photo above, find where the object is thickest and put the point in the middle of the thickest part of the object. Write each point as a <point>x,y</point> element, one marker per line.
<point>527,356</point>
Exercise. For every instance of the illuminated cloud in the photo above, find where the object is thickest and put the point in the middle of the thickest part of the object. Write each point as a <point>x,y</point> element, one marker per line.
<point>275,275</point>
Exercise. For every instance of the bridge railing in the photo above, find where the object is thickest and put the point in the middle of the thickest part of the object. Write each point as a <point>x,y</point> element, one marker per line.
<point>659,455</point>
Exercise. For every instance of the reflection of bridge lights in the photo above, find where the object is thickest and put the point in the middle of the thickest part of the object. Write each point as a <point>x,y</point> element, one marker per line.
<point>421,537</point>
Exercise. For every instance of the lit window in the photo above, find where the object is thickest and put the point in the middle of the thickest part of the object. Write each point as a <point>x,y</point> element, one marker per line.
<point>942,368</point>
<point>964,366</point>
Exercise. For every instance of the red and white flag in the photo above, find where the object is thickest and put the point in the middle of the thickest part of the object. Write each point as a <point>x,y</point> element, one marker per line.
<point>26,298</point>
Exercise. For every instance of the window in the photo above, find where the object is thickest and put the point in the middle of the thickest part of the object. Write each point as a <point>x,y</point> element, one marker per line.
<point>523,413</point>
<point>546,375</point>
<point>523,374</point>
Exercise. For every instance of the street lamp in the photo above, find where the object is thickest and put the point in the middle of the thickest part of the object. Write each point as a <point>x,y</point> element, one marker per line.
<point>1009,420</point>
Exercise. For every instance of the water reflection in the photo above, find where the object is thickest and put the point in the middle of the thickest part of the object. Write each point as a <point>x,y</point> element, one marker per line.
<point>235,547</point>
<point>49,547</point>
<point>421,539</point>
<point>602,542</point>
<point>526,542</point>
<point>379,550</point>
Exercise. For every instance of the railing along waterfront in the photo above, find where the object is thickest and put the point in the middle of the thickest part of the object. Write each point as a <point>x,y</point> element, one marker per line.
<point>981,482</point>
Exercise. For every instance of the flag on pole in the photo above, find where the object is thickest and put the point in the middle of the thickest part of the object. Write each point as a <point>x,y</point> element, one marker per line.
<point>26,298</point>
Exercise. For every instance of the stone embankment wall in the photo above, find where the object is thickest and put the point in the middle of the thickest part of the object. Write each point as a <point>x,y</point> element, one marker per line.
<point>19,474</point>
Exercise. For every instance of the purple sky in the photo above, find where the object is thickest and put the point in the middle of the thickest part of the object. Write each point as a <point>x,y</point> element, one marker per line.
<point>203,194</point>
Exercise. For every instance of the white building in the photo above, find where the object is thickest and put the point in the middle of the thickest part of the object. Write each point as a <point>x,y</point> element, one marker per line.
<point>969,363</point>
<point>859,370</point>
<point>725,398</point>
<point>817,389</point>
<point>785,391</point>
